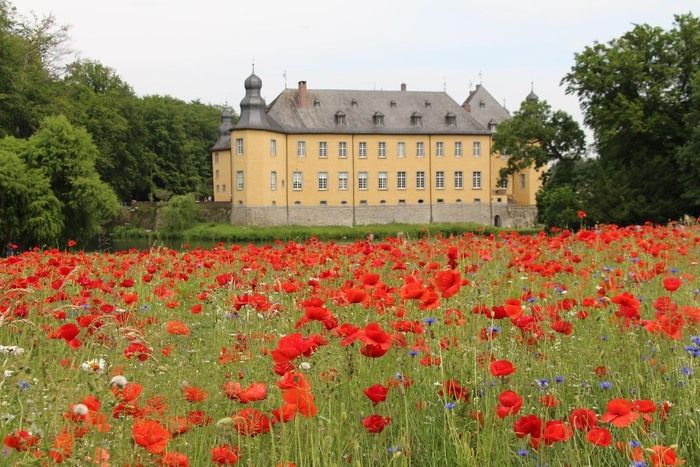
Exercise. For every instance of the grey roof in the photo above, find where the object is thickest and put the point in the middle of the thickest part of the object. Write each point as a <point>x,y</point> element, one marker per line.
<point>253,109</point>
<point>224,141</point>
<point>359,107</point>
<point>532,96</point>
<point>484,107</point>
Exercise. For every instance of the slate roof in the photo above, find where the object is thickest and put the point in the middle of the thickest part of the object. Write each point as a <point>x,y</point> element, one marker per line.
<point>360,107</point>
<point>224,141</point>
<point>484,107</point>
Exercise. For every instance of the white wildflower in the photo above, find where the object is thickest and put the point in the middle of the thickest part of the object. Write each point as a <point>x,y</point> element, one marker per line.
<point>96,365</point>
<point>80,409</point>
<point>305,365</point>
<point>119,381</point>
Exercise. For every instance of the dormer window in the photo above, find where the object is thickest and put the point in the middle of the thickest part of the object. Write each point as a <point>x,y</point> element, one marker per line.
<point>427,104</point>
<point>339,118</point>
<point>392,104</point>
<point>416,119</point>
<point>492,126</point>
<point>482,104</point>
<point>378,119</point>
<point>353,103</point>
<point>450,119</point>
<point>317,103</point>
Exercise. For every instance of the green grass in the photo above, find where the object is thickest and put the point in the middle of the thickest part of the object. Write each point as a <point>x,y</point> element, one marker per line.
<point>237,233</point>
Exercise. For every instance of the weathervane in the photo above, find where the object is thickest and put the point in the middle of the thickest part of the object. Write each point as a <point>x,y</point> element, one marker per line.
<point>444,83</point>
<point>284,75</point>
<point>253,65</point>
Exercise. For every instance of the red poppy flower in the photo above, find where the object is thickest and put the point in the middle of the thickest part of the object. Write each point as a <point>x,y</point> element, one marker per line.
<point>375,423</point>
<point>250,422</point>
<point>599,437</point>
<point>21,440</point>
<point>150,435</point>
<point>501,368</point>
<point>528,425</point>
<point>377,341</point>
<point>620,413</point>
<point>376,393</point>
<point>664,456</point>
<point>194,394</point>
<point>452,388</point>
<point>447,282</point>
<point>177,328</point>
<point>225,454</point>
<point>174,459</point>
<point>672,284</point>
<point>583,419</point>
<point>254,392</point>
<point>556,431</point>
<point>302,400</point>
<point>509,403</point>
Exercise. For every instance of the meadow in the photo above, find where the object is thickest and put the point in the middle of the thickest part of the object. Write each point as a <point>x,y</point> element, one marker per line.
<point>570,349</point>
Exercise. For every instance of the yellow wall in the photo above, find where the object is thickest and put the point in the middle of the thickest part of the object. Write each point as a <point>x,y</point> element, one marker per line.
<point>257,163</point>
<point>221,175</point>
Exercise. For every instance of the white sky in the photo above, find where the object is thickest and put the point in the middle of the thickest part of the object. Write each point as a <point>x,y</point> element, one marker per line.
<point>203,49</point>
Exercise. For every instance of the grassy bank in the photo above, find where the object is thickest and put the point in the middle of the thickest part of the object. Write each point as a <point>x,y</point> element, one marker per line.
<point>237,233</point>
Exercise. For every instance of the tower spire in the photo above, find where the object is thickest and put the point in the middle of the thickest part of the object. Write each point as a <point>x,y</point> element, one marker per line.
<point>253,65</point>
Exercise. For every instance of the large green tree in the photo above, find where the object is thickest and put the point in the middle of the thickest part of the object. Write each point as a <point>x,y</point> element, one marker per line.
<point>67,156</point>
<point>640,94</point>
<point>537,136</point>
<point>30,214</point>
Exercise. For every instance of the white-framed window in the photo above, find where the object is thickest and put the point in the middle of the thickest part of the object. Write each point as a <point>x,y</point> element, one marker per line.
<point>301,148</point>
<point>322,149</point>
<point>439,149</point>
<point>401,149</point>
<point>382,181</point>
<point>273,148</point>
<point>381,150</point>
<point>440,180</point>
<point>297,181</point>
<point>322,181</point>
<point>476,180</point>
<point>363,150</point>
<point>420,149</point>
<point>239,180</point>
<point>476,148</point>
<point>362,181</point>
<point>503,183</point>
<point>523,181</point>
<point>342,180</point>
<point>216,158</point>
<point>239,146</point>
<point>343,149</point>
<point>420,180</point>
<point>459,179</point>
<point>273,181</point>
<point>458,149</point>
<point>401,180</point>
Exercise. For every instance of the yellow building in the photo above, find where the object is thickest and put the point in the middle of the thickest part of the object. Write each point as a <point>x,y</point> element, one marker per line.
<point>347,157</point>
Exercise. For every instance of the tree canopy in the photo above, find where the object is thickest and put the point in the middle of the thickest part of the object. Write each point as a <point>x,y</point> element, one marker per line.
<point>537,136</point>
<point>640,94</point>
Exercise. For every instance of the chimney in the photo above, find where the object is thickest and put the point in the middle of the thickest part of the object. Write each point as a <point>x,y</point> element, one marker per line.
<point>301,94</point>
<point>403,86</point>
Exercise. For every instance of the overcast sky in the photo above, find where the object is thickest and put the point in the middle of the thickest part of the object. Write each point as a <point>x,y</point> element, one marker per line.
<point>204,49</point>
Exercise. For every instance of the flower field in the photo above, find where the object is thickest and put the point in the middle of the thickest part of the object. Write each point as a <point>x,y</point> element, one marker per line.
<point>563,350</point>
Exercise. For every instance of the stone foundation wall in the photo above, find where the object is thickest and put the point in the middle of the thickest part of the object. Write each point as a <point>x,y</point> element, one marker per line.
<point>481,213</point>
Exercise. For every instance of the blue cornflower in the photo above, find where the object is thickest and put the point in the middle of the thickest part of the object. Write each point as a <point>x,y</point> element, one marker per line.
<point>413,352</point>
<point>693,350</point>
<point>523,452</point>
<point>24,385</point>
<point>450,405</point>
<point>531,300</point>
<point>673,270</point>
<point>393,449</point>
<point>634,444</point>
<point>543,383</point>
<point>429,321</point>
<point>686,371</point>
<point>605,385</point>
<point>145,307</point>
<point>559,379</point>
<point>638,464</point>
<point>493,329</point>
<point>695,340</point>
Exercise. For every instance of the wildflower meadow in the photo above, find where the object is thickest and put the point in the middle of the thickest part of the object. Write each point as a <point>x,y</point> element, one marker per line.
<point>570,349</point>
